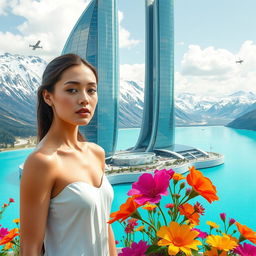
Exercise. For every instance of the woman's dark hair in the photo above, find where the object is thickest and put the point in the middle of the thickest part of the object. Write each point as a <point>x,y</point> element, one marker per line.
<point>52,74</point>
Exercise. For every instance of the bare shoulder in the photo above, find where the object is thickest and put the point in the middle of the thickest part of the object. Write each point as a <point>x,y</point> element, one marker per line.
<point>98,152</point>
<point>39,166</point>
<point>96,149</point>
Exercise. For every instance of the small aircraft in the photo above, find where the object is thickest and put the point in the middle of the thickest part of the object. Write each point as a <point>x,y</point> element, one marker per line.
<point>239,61</point>
<point>36,46</point>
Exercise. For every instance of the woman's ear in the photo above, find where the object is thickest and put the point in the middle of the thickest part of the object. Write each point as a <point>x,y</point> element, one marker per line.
<point>47,97</point>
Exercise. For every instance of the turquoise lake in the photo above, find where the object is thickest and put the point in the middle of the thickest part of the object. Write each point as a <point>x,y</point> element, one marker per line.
<point>235,180</point>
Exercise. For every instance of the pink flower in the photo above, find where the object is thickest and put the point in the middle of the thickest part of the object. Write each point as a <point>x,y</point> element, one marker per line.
<point>223,216</point>
<point>201,233</point>
<point>149,188</point>
<point>116,242</point>
<point>136,249</point>
<point>246,250</point>
<point>3,232</point>
<point>169,172</point>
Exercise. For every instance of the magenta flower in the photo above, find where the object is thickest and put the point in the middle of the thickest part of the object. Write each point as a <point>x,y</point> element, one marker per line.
<point>169,172</point>
<point>149,188</point>
<point>136,249</point>
<point>223,216</point>
<point>3,232</point>
<point>246,250</point>
<point>202,234</point>
<point>232,221</point>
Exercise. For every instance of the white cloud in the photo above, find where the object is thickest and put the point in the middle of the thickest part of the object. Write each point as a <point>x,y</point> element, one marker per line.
<point>125,40</point>
<point>48,21</point>
<point>135,72</point>
<point>181,43</point>
<point>215,71</point>
<point>5,5</point>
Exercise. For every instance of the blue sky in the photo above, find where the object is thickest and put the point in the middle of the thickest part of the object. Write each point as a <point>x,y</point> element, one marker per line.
<point>209,37</point>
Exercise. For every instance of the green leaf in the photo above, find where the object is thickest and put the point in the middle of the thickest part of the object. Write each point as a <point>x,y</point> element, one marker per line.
<point>154,249</point>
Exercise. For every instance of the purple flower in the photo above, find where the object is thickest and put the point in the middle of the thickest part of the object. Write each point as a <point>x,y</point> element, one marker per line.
<point>232,221</point>
<point>223,216</point>
<point>201,233</point>
<point>246,250</point>
<point>149,188</point>
<point>3,232</point>
<point>136,249</point>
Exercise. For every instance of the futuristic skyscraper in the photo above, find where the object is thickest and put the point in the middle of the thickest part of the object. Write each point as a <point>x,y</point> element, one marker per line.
<point>95,38</point>
<point>157,131</point>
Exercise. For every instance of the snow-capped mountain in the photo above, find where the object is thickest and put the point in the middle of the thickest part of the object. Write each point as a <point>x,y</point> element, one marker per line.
<point>20,77</point>
<point>216,110</point>
<point>190,109</point>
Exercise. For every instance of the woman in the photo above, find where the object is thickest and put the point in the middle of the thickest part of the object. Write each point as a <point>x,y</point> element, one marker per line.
<point>65,197</point>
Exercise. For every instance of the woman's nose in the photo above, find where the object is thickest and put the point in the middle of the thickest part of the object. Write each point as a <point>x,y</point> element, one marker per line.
<point>83,98</point>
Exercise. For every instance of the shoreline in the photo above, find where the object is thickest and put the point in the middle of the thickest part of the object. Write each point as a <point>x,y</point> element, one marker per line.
<point>2,150</point>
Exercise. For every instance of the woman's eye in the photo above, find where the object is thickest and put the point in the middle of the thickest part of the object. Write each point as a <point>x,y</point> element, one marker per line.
<point>71,90</point>
<point>92,90</point>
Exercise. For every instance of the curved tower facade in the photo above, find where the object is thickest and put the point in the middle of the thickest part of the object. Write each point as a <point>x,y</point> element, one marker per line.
<point>157,130</point>
<point>95,38</point>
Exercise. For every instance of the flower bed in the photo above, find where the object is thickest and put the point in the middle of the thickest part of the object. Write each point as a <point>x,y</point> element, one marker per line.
<point>174,231</point>
<point>9,239</point>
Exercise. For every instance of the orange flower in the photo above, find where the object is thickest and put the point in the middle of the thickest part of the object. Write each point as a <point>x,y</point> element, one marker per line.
<point>149,207</point>
<point>126,210</point>
<point>214,252</point>
<point>246,232</point>
<point>178,238</point>
<point>177,176</point>
<point>16,220</point>
<point>189,211</point>
<point>202,185</point>
<point>139,228</point>
<point>9,237</point>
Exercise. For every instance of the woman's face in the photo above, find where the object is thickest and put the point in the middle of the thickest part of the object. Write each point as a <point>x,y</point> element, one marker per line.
<point>76,90</point>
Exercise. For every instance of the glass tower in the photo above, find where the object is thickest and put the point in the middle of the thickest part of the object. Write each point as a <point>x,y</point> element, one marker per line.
<point>95,38</point>
<point>157,130</point>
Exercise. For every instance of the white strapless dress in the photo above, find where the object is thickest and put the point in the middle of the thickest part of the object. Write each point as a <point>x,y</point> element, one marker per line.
<point>77,220</point>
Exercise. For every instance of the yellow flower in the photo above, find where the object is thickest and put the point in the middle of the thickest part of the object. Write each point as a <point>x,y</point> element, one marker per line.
<point>179,238</point>
<point>212,224</point>
<point>139,228</point>
<point>224,242</point>
<point>16,220</point>
<point>149,207</point>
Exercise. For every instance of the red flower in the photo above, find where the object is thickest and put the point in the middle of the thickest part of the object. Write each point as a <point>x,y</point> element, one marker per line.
<point>199,208</point>
<point>11,200</point>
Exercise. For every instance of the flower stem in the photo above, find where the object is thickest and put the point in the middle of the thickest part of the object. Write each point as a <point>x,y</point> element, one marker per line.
<point>158,205</point>
<point>148,224</point>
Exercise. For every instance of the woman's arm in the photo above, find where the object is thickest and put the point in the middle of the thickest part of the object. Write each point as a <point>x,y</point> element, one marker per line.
<point>35,192</point>
<point>111,241</point>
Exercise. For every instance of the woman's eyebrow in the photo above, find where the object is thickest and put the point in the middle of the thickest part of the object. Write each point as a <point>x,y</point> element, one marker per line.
<point>71,82</point>
<point>76,82</point>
